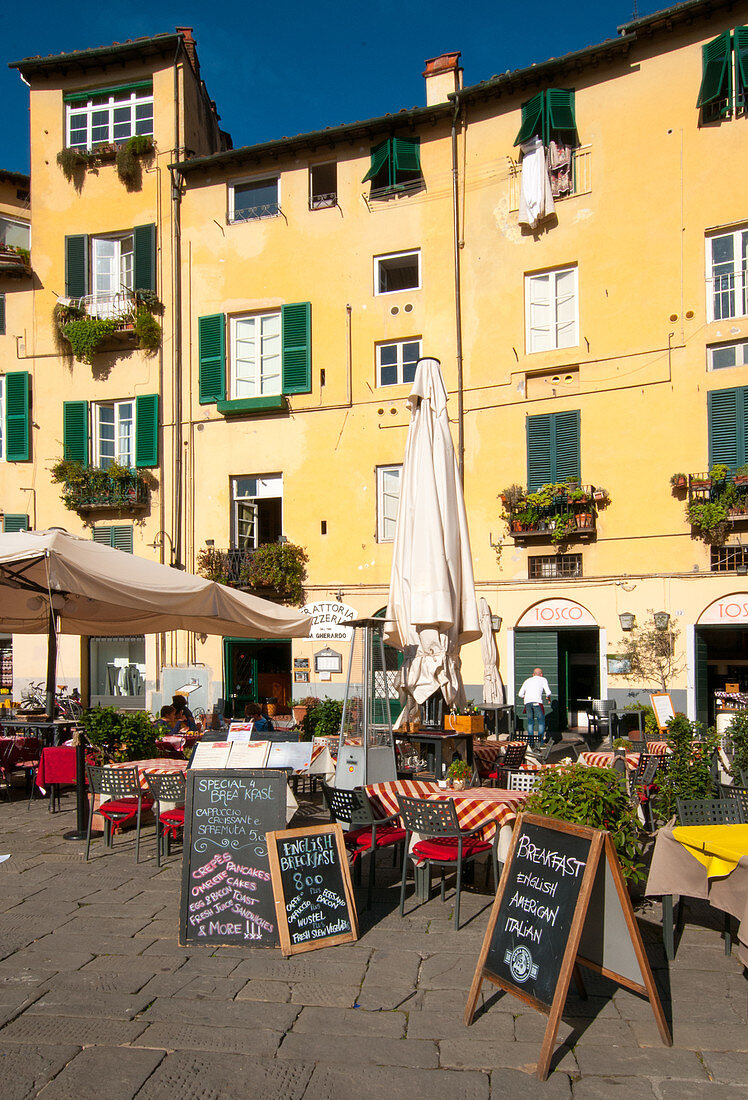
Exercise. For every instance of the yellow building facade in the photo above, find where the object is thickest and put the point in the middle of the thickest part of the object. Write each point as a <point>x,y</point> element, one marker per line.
<point>301,279</point>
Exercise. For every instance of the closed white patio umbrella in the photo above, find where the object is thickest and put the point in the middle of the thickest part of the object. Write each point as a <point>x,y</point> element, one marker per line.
<point>431,610</point>
<point>493,688</point>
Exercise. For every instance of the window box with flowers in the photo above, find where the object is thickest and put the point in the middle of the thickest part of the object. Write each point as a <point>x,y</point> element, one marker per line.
<point>274,570</point>
<point>558,511</point>
<point>89,488</point>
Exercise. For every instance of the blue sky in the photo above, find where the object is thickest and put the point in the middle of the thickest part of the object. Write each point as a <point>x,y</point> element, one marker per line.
<point>282,71</point>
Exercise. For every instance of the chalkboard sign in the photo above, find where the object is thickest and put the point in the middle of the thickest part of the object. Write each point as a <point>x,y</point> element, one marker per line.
<point>312,886</point>
<point>537,908</point>
<point>227,895</point>
<point>562,903</point>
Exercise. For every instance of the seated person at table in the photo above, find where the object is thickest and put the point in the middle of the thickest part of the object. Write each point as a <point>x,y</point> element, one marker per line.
<point>168,721</point>
<point>253,713</point>
<point>183,711</point>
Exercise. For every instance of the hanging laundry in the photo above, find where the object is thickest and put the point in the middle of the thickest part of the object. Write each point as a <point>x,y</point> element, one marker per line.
<point>536,197</point>
<point>560,169</point>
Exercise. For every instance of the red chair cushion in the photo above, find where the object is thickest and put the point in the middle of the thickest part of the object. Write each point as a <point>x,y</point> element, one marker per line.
<point>127,806</point>
<point>351,837</point>
<point>386,835</point>
<point>174,817</point>
<point>445,848</point>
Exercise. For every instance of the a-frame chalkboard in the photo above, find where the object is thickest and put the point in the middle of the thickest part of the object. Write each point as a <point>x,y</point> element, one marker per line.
<point>561,903</point>
<point>314,902</point>
<point>227,896</point>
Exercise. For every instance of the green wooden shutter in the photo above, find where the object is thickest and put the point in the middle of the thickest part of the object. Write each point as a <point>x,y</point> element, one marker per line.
<point>296,338</point>
<point>715,66</point>
<point>560,109</point>
<point>406,154</point>
<point>75,431</point>
<point>212,358</point>
<point>17,435</point>
<point>539,451</point>
<point>146,429</point>
<point>76,266</point>
<point>15,523</point>
<point>565,451</point>
<point>380,155</point>
<point>532,118</point>
<point>2,315</point>
<point>120,538</point>
<point>701,678</point>
<point>741,57</point>
<point>144,262</point>
<point>536,649</point>
<point>726,411</point>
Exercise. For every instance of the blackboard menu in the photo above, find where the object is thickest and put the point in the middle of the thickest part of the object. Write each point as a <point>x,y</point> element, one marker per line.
<point>227,895</point>
<point>537,907</point>
<point>312,887</point>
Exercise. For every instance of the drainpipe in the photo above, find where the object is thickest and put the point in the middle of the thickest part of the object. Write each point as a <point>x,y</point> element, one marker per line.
<point>176,246</point>
<point>458,301</point>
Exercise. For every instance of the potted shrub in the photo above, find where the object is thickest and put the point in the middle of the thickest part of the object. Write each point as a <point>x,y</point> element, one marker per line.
<point>323,719</point>
<point>741,475</point>
<point>678,481</point>
<point>459,774</point>
<point>594,797</point>
<point>718,474</point>
<point>279,567</point>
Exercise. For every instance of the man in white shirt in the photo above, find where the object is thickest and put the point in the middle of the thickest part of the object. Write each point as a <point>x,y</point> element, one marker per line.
<point>531,693</point>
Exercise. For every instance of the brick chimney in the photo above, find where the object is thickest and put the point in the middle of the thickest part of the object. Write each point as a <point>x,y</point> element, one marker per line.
<point>443,75</point>
<point>190,48</point>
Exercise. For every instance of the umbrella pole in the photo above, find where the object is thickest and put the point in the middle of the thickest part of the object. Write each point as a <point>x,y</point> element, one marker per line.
<point>51,665</point>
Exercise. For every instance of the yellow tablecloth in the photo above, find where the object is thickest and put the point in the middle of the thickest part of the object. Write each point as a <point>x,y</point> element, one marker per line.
<point>718,847</point>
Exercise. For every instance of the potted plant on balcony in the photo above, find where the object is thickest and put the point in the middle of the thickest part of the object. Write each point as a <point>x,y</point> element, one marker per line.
<point>741,475</point>
<point>278,569</point>
<point>710,519</point>
<point>678,481</point>
<point>718,475</point>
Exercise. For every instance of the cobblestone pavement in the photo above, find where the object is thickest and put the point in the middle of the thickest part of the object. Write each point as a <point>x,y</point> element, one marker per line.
<point>97,999</point>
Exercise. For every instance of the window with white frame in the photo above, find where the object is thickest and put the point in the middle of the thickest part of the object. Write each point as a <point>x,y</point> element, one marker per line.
<point>551,310</point>
<point>257,510</point>
<point>114,433</point>
<point>397,271</point>
<point>388,498</point>
<point>112,268</point>
<point>2,417</point>
<point>256,362</point>
<point>727,355</point>
<point>396,361</point>
<point>15,233</point>
<point>251,199</point>
<point>726,264</point>
<point>108,116</point>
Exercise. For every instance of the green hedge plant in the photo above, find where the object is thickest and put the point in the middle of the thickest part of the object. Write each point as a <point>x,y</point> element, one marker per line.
<point>688,765</point>
<point>117,737</point>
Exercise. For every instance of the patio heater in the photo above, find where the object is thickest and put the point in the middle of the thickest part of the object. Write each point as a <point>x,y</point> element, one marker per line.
<point>366,752</point>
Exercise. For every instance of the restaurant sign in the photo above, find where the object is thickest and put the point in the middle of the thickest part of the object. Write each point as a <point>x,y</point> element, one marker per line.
<point>726,610</point>
<point>556,613</point>
<point>329,618</point>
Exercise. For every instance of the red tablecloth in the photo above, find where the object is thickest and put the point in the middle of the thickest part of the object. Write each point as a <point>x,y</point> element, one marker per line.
<point>178,741</point>
<point>57,765</point>
<point>15,752</point>
<point>476,806</point>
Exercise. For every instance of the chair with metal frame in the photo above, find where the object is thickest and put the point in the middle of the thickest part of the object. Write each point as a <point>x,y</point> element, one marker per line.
<point>599,720</point>
<point>522,781</point>
<point>124,801</point>
<point>442,843</point>
<point>364,830</point>
<point>736,793</point>
<point>167,788</point>
<point>513,758</point>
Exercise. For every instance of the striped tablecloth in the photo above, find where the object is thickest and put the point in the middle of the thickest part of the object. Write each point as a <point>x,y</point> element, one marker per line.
<point>489,806</point>
<point>605,759</point>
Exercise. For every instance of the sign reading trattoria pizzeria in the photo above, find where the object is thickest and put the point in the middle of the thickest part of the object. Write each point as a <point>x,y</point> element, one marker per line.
<point>329,618</point>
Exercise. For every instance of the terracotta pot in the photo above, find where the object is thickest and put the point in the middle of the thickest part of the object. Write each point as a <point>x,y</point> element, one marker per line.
<point>299,714</point>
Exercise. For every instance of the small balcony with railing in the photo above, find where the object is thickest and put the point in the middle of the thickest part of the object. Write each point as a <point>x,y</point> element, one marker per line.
<point>720,493</point>
<point>110,321</point>
<point>577,181</point>
<point>273,570</point>
<point>557,513</point>
<point>93,489</point>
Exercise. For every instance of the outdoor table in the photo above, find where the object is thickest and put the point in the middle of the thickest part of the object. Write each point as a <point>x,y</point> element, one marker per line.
<point>434,742</point>
<point>605,759</point>
<point>179,741</point>
<point>49,733</point>
<point>487,806</point>
<point>702,861</point>
<point>57,768</point>
<point>617,717</point>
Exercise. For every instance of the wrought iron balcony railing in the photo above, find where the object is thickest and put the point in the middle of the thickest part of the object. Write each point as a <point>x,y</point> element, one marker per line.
<point>107,493</point>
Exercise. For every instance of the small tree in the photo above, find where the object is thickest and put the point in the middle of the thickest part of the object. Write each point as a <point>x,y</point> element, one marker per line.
<point>652,654</point>
<point>688,765</point>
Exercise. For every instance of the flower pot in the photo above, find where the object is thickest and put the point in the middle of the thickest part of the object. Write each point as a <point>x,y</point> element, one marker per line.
<point>299,714</point>
<point>584,519</point>
<point>458,784</point>
<point>464,723</point>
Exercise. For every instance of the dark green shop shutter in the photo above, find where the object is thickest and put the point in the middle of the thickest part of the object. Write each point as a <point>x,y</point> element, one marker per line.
<point>296,338</point>
<point>536,649</point>
<point>532,119</point>
<point>406,154</point>
<point>146,429</point>
<point>566,445</point>
<point>75,431</point>
<point>76,266</point>
<point>17,434</point>
<point>380,154</point>
<point>144,261</point>
<point>15,523</point>
<point>726,411</point>
<point>560,109</point>
<point>211,333</point>
<point>715,63</point>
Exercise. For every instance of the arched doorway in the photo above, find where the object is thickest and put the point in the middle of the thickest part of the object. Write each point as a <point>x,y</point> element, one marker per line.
<point>720,654</point>
<point>561,637</point>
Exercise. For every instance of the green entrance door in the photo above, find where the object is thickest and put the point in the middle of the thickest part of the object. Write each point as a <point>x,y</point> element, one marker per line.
<point>570,660</point>
<point>533,649</point>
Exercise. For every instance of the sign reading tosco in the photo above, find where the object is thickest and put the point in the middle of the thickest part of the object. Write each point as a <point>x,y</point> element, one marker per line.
<point>329,618</point>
